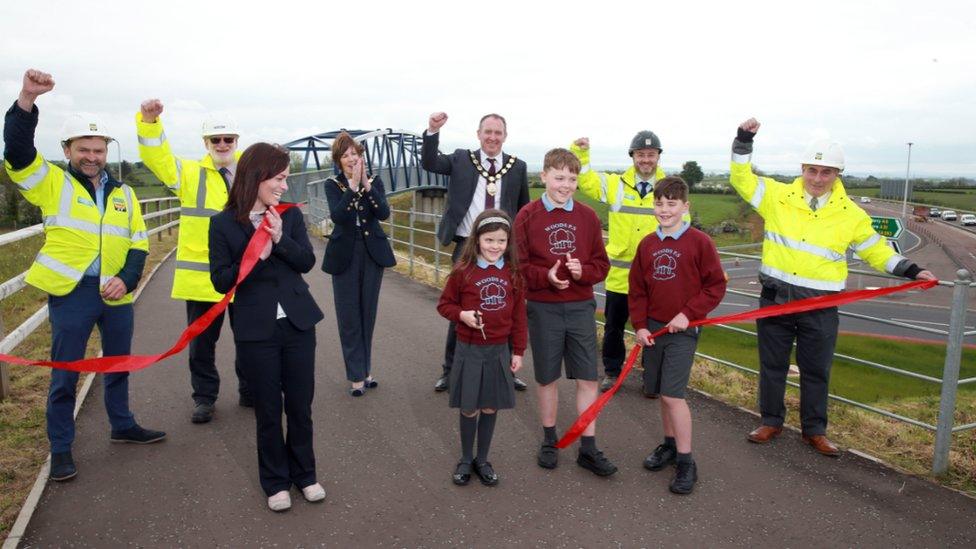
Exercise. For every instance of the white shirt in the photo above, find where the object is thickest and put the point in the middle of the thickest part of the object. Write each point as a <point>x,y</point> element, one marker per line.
<point>821,200</point>
<point>480,191</point>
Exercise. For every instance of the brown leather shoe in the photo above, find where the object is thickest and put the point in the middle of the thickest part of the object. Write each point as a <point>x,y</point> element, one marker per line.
<point>764,433</point>
<point>822,445</point>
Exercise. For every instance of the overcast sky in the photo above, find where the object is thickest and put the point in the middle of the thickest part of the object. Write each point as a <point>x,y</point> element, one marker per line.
<point>872,75</point>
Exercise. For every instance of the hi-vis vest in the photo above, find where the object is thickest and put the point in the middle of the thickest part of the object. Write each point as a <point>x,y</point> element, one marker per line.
<point>804,247</point>
<point>631,217</point>
<point>75,233</point>
<point>202,193</point>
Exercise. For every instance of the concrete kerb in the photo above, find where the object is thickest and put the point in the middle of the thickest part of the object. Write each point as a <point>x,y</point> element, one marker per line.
<point>34,496</point>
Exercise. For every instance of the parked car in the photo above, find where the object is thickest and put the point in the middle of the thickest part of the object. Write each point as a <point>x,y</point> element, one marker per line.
<point>949,215</point>
<point>935,212</point>
<point>865,200</point>
<point>968,219</point>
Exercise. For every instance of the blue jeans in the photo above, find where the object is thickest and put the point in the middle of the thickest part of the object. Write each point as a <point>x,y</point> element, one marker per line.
<point>72,318</point>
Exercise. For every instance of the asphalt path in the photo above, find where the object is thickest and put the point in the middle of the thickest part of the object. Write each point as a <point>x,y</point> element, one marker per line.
<point>386,459</point>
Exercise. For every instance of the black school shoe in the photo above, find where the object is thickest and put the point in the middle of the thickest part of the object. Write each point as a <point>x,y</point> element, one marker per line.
<point>138,435</point>
<point>548,456</point>
<point>486,473</point>
<point>462,473</point>
<point>441,385</point>
<point>62,467</point>
<point>662,456</point>
<point>684,478</point>
<point>202,413</point>
<point>519,384</point>
<point>596,462</point>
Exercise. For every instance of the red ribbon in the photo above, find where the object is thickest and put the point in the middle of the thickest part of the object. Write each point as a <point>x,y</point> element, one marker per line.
<point>131,363</point>
<point>800,306</point>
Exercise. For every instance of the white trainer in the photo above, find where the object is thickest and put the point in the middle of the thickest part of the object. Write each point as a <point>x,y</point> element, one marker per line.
<point>314,492</point>
<point>280,501</point>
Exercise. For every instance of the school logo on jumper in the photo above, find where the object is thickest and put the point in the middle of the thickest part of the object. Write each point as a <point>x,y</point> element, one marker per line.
<point>562,238</point>
<point>665,264</point>
<point>119,204</point>
<point>492,293</point>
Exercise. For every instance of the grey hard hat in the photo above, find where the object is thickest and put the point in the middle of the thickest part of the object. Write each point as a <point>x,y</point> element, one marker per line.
<point>645,139</point>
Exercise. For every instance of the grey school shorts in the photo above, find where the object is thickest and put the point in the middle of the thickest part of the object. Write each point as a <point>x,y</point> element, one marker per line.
<point>563,331</point>
<point>667,363</point>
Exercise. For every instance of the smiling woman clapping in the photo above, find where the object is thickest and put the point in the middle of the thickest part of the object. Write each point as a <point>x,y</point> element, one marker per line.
<point>273,319</point>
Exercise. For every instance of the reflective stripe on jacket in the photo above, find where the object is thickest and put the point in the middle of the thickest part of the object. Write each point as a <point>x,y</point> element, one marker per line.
<point>202,193</point>
<point>808,248</point>
<point>75,232</point>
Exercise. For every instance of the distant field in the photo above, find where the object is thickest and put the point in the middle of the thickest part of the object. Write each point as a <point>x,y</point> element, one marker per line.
<point>152,191</point>
<point>958,201</point>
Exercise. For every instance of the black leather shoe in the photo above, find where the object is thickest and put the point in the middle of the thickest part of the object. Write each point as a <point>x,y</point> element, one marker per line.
<point>662,456</point>
<point>519,384</point>
<point>202,413</point>
<point>357,391</point>
<point>246,401</point>
<point>596,462</point>
<point>138,435</point>
<point>370,383</point>
<point>486,473</point>
<point>441,384</point>
<point>62,467</point>
<point>462,474</point>
<point>684,477</point>
<point>548,456</point>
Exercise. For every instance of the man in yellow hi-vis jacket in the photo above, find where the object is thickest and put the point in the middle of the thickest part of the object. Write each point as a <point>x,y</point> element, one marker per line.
<point>202,187</point>
<point>630,197</point>
<point>809,225</point>
<point>95,247</point>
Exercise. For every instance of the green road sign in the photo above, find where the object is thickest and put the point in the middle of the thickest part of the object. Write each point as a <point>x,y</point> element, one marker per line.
<point>888,227</point>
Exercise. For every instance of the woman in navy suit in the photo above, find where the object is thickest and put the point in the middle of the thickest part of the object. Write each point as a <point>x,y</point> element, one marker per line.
<point>274,319</point>
<point>357,252</point>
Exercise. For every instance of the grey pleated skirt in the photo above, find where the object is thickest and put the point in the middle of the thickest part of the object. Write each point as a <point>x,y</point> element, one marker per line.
<point>481,377</point>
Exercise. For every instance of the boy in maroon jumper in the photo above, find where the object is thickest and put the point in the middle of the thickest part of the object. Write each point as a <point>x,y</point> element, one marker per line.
<point>676,277</point>
<point>561,254</point>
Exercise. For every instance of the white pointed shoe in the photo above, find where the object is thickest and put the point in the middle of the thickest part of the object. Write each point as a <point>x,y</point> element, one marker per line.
<point>314,492</point>
<point>280,501</point>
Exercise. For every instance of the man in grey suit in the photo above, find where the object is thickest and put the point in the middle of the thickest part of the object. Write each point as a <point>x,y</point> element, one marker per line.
<point>480,179</point>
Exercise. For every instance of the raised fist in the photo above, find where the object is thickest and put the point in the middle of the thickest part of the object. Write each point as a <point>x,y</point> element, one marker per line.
<point>151,109</point>
<point>37,83</point>
<point>751,125</point>
<point>437,120</point>
<point>583,143</point>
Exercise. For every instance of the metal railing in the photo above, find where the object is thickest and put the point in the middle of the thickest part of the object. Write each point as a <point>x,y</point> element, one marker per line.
<point>153,213</point>
<point>406,237</point>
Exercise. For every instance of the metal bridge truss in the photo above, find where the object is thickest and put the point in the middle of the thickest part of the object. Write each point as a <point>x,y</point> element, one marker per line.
<point>394,155</point>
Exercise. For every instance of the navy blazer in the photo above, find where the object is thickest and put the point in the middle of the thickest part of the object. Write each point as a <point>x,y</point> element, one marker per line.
<point>277,279</point>
<point>345,207</point>
<point>464,179</point>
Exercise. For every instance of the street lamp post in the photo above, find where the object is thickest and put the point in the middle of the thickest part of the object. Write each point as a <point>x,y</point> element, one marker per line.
<point>904,199</point>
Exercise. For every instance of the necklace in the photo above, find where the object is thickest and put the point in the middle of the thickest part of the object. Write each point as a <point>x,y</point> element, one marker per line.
<point>491,187</point>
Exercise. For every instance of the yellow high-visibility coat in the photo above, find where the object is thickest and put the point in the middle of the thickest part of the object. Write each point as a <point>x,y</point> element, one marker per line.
<point>202,193</point>
<point>804,247</point>
<point>75,233</point>
<point>631,217</point>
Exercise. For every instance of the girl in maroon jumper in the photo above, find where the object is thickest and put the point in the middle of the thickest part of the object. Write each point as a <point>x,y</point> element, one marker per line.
<point>484,298</point>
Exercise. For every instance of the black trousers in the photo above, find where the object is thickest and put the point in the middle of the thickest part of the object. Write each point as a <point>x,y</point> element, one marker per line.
<point>203,368</point>
<point>616,310</point>
<point>815,333</point>
<point>356,292</point>
<point>282,369</point>
<point>451,327</point>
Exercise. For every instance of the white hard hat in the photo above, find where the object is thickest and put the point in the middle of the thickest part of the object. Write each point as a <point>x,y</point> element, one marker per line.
<point>824,152</point>
<point>83,125</point>
<point>219,125</point>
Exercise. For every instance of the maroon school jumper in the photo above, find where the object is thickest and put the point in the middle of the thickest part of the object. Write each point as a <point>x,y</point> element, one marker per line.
<point>545,237</point>
<point>671,276</point>
<point>490,291</point>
